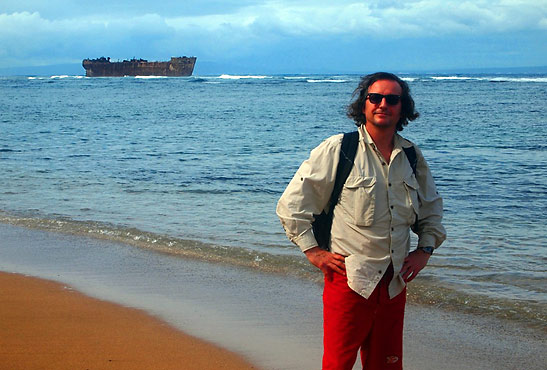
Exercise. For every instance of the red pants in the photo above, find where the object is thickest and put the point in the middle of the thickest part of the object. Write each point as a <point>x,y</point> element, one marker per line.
<point>352,322</point>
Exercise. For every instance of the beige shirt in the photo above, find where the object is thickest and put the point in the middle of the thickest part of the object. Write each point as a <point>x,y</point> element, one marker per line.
<point>378,204</point>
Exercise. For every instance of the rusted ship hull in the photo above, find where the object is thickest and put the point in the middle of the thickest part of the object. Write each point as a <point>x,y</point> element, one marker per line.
<point>103,67</point>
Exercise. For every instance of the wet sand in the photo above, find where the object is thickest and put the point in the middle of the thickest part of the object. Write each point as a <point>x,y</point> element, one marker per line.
<point>273,321</point>
<point>47,325</point>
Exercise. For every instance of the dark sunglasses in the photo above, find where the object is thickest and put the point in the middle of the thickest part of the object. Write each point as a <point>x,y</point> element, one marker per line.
<point>391,99</point>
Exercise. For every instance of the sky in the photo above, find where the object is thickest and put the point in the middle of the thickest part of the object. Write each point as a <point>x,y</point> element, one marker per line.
<point>278,36</point>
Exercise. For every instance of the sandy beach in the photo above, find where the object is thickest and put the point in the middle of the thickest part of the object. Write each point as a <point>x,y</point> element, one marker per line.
<point>242,318</point>
<point>47,325</point>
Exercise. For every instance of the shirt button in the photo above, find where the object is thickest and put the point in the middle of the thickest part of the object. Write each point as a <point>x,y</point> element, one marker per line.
<point>392,229</point>
<point>380,271</point>
<point>391,207</point>
<point>389,184</point>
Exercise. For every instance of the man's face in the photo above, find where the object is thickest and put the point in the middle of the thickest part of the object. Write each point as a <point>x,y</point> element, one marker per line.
<point>382,114</point>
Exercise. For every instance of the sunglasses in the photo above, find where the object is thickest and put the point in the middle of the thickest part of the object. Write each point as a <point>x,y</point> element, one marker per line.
<point>391,99</point>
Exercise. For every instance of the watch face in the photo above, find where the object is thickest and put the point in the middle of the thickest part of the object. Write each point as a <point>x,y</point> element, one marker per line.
<point>428,250</point>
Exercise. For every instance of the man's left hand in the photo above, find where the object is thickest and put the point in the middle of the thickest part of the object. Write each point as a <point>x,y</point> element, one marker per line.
<point>414,263</point>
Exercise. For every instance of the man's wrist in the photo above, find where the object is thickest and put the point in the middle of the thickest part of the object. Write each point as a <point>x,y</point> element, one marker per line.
<point>428,250</point>
<point>312,250</point>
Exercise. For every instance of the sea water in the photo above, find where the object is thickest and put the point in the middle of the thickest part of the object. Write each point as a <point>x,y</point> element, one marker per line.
<point>194,167</point>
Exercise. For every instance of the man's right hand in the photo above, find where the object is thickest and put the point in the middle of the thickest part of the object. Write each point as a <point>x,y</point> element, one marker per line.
<point>327,262</point>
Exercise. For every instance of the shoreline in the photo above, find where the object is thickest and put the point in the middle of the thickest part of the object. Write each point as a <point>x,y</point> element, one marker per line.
<point>428,290</point>
<point>47,325</point>
<point>273,321</point>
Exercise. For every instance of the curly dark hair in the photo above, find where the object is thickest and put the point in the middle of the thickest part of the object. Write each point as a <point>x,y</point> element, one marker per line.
<point>355,109</point>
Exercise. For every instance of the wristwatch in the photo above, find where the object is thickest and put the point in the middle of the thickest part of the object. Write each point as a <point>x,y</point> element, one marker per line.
<point>428,250</point>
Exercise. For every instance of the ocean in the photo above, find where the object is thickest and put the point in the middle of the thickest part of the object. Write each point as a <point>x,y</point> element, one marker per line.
<point>193,167</point>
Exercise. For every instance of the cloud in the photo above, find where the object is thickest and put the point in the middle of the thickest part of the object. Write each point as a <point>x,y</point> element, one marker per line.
<point>58,9</point>
<point>388,20</point>
<point>66,31</point>
<point>28,36</point>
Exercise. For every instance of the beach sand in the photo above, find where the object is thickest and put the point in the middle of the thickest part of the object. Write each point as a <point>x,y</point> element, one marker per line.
<point>273,321</point>
<point>47,325</point>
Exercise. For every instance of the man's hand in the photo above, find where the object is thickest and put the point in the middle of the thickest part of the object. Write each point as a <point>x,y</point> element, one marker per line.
<point>326,261</point>
<point>414,263</point>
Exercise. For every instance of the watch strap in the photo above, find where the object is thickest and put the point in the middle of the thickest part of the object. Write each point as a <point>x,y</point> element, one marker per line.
<point>428,250</point>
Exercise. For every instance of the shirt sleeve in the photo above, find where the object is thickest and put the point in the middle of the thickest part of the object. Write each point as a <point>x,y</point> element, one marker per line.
<point>430,231</point>
<point>308,193</point>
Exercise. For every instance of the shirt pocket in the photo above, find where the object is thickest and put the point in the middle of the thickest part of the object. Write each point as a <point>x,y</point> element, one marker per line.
<point>358,200</point>
<point>413,201</point>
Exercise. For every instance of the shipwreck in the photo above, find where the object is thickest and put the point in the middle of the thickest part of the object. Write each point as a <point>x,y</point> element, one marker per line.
<point>103,67</point>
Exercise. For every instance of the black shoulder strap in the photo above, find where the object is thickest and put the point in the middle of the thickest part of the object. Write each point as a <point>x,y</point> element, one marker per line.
<point>350,142</point>
<point>411,155</point>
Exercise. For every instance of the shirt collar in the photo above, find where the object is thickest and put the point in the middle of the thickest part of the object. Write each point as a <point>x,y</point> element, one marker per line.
<point>399,142</point>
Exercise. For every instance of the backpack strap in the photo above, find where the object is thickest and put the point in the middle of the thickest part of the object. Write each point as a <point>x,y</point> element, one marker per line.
<point>323,222</point>
<point>350,142</point>
<point>413,161</point>
<point>411,156</point>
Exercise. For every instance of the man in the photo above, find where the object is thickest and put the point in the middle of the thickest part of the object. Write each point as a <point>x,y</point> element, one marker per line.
<point>369,262</point>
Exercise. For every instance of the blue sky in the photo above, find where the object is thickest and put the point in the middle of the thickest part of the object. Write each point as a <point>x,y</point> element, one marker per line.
<point>281,36</point>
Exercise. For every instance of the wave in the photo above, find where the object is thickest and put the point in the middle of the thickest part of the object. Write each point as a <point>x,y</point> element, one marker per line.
<point>519,79</point>
<point>150,77</point>
<point>240,77</point>
<point>426,289</point>
<point>55,77</point>
<point>66,76</point>
<point>295,77</point>
<point>457,78</point>
<point>327,80</point>
<point>176,246</point>
<point>490,78</point>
